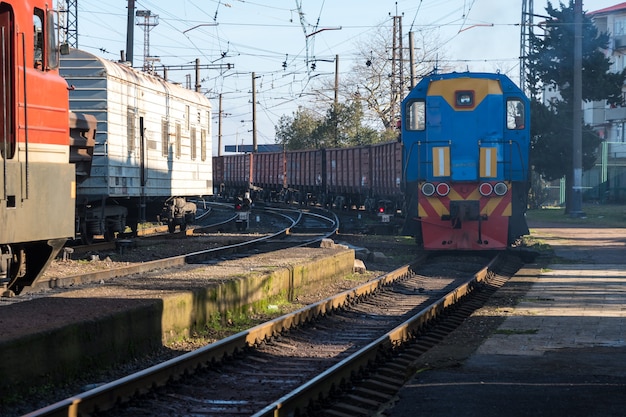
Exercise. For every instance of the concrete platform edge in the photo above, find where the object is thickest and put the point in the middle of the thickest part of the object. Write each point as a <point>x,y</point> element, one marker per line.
<point>55,355</point>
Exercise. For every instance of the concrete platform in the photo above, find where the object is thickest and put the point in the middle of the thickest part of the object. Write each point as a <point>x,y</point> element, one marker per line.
<point>561,351</point>
<point>59,335</point>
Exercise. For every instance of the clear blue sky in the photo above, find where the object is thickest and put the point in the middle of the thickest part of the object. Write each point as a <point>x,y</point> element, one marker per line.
<point>260,35</point>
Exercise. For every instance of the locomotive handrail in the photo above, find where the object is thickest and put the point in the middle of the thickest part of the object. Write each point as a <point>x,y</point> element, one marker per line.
<point>25,120</point>
<point>4,121</point>
<point>510,162</point>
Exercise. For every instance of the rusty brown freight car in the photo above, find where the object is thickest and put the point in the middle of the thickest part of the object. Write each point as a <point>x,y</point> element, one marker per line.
<point>305,175</point>
<point>268,174</point>
<point>343,177</point>
<point>348,174</point>
<point>238,173</point>
<point>386,179</point>
<point>218,175</point>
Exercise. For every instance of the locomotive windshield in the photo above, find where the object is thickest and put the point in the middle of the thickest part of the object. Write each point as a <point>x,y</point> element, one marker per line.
<point>514,114</point>
<point>416,115</point>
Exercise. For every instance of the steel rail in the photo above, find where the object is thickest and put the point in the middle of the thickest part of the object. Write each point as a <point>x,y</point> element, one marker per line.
<point>321,386</point>
<point>174,261</point>
<point>106,396</point>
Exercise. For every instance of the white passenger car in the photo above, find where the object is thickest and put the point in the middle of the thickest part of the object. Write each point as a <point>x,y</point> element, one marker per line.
<point>153,142</point>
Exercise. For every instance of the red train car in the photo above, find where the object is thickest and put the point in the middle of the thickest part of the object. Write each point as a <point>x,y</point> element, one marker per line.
<point>238,172</point>
<point>38,174</point>
<point>354,177</point>
<point>386,176</point>
<point>304,171</point>
<point>268,176</point>
<point>348,175</point>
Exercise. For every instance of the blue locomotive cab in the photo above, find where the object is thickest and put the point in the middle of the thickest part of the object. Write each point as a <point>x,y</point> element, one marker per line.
<point>465,164</point>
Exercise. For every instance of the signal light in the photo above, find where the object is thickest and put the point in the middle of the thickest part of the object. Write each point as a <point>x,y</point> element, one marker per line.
<point>428,189</point>
<point>485,189</point>
<point>500,189</point>
<point>443,189</point>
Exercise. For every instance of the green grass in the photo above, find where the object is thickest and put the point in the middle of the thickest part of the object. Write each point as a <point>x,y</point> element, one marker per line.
<point>607,215</point>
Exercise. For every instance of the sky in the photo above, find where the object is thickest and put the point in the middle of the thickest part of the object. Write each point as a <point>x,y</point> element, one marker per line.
<point>278,40</point>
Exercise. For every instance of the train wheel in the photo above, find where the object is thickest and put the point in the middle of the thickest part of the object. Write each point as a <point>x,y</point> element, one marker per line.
<point>14,269</point>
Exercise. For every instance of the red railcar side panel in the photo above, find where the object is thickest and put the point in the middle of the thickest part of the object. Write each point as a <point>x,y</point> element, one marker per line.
<point>237,170</point>
<point>269,170</point>
<point>348,170</point>
<point>304,170</point>
<point>387,169</point>
<point>218,171</point>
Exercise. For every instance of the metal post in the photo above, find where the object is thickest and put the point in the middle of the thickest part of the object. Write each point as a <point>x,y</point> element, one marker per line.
<point>254,143</point>
<point>576,195</point>
<point>130,31</point>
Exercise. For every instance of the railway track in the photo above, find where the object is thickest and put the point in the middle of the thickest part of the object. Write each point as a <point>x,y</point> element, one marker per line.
<point>295,364</point>
<point>309,228</point>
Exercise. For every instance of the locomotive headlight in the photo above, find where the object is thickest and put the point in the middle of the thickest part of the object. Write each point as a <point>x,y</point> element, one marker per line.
<point>500,189</point>
<point>443,189</point>
<point>428,189</point>
<point>485,189</point>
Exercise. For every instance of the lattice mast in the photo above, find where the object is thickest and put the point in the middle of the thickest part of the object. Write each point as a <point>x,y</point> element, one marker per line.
<point>68,22</point>
<point>526,32</point>
<point>147,21</point>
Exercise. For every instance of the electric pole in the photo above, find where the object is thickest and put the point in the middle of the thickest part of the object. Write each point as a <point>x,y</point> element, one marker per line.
<point>149,22</point>
<point>576,194</point>
<point>68,22</point>
<point>397,72</point>
<point>526,34</point>
<point>130,31</point>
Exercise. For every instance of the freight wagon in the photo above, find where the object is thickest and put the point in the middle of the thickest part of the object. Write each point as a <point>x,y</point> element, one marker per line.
<point>360,176</point>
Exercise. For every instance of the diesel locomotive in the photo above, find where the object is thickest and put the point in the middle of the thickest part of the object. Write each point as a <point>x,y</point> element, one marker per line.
<point>466,143</point>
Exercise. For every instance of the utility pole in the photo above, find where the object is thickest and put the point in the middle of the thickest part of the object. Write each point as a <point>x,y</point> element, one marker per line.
<point>130,31</point>
<point>68,22</point>
<point>576,194</point>
<point>526,33</point>
<point>149,22</point>
<point>397,73</point>
<point>219,127</point>
<point>255,147</point>
<point>412,58</point>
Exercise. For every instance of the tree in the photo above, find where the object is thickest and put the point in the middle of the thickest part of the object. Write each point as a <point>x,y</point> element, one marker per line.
<point>367,108</point>
<point>341,125</point>
<point>551,65</point>
<point>369,80</point>
<point>297,131</point>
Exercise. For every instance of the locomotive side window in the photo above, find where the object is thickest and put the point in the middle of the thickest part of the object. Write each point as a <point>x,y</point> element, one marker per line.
<point>416,115</point>
<point>53,51</point>
<point>514,114</point>
<point>39,38</point>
